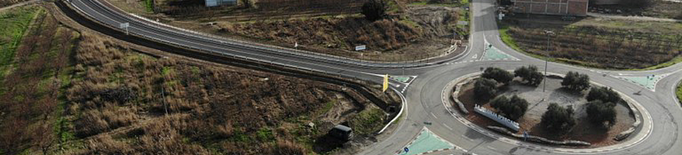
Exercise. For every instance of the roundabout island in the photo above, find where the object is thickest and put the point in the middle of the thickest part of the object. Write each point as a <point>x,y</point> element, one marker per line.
<point>543,110</point>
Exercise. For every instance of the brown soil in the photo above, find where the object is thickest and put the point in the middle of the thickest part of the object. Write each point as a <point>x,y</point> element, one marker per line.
<point>601,44</point>
<point>120,98</point>
<point>583,130</point>
<point>231,109</point>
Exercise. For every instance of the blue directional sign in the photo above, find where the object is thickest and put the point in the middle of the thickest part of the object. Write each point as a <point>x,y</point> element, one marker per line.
<point>406,149</point>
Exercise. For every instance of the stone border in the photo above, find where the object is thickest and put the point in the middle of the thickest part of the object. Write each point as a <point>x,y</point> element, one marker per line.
<point>621,136</point>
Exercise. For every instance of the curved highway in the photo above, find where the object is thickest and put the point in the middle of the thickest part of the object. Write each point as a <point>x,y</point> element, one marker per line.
<point>423,94</point>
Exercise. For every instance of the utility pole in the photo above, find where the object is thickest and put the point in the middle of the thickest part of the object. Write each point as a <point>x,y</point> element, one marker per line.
<point>544,85</point>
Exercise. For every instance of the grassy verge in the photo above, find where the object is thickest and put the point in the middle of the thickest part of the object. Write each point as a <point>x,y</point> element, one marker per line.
<point>15,23</point>
<point>679,92</point>
<point>149,5</point>
<point>368,121</point>
<point>665,64</point>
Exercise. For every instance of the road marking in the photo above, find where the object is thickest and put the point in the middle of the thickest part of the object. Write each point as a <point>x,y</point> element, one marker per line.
<point>446,126</point>
<point>475,56</point>
<point>490,147</point>
<point>465,137</point>
<point>434,116</point>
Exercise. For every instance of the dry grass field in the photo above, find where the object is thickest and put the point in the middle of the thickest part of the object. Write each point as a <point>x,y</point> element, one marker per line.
<point>68,91</point>
<point>593,42</point>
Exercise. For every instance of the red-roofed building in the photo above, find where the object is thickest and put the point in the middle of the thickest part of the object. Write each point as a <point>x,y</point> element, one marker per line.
<point>552,7</point>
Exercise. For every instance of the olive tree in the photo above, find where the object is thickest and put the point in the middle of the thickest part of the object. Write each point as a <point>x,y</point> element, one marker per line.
<point>513,108</point>
<point>374,9</point>
<point>558,118</point>
<point>529,74</point>
<point>484,89</point>
<point>604,94</point>
<point>601,113</point>
<point>576,81</point>
<point>497,74</point>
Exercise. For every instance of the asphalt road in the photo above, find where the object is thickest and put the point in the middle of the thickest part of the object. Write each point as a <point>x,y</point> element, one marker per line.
<point>424,100</point>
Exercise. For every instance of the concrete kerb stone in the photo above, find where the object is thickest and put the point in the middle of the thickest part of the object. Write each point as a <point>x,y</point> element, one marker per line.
<point>633,110</point>
<point>539,139</point>
<point>402,108</point>
<point>631,104</point>
<point>458,88</point>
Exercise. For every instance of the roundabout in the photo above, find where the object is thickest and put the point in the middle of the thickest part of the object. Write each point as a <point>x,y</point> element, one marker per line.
<point>539,101</point>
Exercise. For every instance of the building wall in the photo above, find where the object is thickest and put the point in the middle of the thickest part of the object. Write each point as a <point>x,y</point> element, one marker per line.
<point>552,7</point>
<point>606,2</point>
<point>210,3</point>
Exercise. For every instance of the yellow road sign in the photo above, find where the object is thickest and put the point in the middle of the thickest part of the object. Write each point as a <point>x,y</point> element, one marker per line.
<point>385,83</point>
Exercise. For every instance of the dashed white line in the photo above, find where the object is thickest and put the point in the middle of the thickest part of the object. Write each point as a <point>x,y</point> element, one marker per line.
<point>446,126</point>
<point>434,116</point>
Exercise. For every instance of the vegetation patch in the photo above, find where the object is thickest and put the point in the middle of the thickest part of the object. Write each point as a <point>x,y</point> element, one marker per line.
<point>15,23</point>
<point>594,43</point>
<point>679,92</point>
<point>36,60</point>
<point>367,121</point>
<point>176,106</point>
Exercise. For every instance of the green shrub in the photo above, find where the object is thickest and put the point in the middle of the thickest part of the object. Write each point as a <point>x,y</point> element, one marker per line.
<point>149,5</point>
<point>374,9</point>
<point>602,113</point>
<point>485,89</point>
<point>604,94</point>
<point>512,108</point>
<point>529,74</point>
<point>497,74</point>
<point>557,118</point>
<point>576,81</point>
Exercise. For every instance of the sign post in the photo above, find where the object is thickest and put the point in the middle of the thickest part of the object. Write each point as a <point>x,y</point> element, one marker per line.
<point>385,85</point>
<point>125,26</point>
<point>406,149</point>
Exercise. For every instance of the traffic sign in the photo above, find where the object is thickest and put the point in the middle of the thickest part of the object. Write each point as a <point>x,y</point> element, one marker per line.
<point>360,48</point>
<point>385,85</point>
<point>125,26</point>
<point>406,149</point>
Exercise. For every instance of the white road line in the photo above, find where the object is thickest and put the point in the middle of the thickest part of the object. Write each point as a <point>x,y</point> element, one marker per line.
<point>434,116</point>
<point>467,138</point>
<point>446,126</point>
